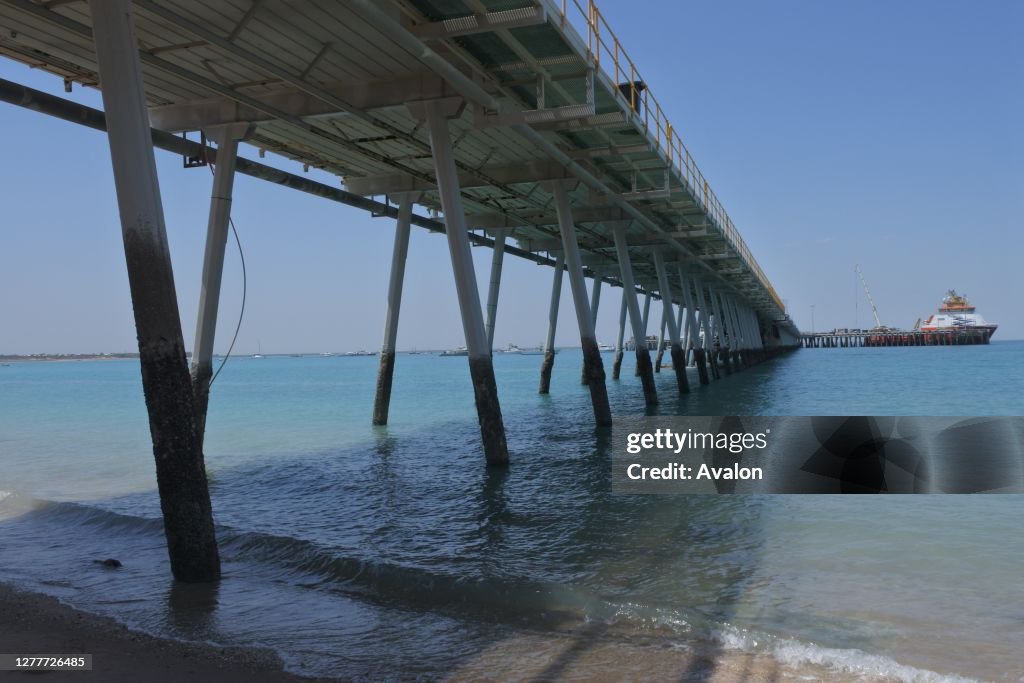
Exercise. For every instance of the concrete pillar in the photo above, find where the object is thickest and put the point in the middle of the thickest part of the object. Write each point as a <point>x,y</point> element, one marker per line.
<point>678,357</point>
<point>549,347</point>
<point>692,328</point>
<point>166,384</point>
<point>637,320</point>
<point>497,258</point>
<point>620,338</point>
<point>386,371</point>
<point>217,227</point>
<point>481,367</point>
<point>592,364</point>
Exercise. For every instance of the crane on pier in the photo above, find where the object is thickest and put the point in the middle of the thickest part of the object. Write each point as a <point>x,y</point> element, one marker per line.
<point>874,309</point>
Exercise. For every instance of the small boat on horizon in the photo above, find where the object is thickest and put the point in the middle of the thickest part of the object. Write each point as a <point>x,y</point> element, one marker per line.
<point>460,351</point>
<point>536,351</point>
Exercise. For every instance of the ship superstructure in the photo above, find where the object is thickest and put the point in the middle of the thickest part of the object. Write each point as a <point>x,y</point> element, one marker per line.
<point>957,313</point>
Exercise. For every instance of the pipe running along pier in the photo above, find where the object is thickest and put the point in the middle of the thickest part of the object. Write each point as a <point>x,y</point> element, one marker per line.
<point>524,125</point>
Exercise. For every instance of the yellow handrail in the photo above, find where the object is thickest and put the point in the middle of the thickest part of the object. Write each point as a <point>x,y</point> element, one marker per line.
<point>664,135</point>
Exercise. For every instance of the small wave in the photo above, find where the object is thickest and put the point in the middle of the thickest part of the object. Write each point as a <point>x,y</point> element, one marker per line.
<point>524,602</point>
<point>841,661</point>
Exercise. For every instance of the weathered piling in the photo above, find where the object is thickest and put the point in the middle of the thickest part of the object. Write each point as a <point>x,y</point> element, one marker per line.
<point>595,303</point>
<point>386,371</point>
<point>494,288</point>
<point>709,331</point>
<point>678,357</point>
<point>549,346</point>
<point>643,326</point>
<point>661,343</point>
<point>693,326</point>
<point>227,138</point>
<point>481,367</point>
<point>620,338</point>
<point>166,384</point>
<point>592,363</point>
<point>637,320</point>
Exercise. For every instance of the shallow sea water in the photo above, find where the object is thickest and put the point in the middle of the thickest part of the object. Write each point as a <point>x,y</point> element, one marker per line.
<point>393,553</point>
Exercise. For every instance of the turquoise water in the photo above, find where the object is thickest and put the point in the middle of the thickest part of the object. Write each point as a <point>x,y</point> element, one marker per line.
<point>394,553</point>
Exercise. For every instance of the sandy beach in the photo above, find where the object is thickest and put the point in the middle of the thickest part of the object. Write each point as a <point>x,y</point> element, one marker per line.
<point>39,624</point>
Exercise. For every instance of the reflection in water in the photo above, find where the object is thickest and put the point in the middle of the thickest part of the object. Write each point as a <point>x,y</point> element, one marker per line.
<point>192,609</point>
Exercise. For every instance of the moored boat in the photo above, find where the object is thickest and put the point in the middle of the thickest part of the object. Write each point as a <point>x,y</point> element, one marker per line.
<point>957,314</point>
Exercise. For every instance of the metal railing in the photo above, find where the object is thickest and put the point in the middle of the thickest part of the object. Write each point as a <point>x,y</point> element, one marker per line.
<point>610,58</point>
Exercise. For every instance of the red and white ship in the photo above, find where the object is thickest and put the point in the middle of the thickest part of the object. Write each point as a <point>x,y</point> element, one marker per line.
<point>956,313</point>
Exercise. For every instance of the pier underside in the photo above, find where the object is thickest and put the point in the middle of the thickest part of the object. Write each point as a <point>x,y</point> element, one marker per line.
<point>522,125</point>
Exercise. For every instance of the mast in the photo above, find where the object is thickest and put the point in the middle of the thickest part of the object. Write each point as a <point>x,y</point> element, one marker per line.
<point>874,310</point>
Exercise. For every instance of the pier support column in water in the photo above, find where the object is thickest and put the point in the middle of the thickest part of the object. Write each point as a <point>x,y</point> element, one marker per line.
<point>621,336</point>
<point>386,371</point>
<point>592,364</point>
<point>637,321</point>
<point>739,362</point>
<point>595,302</point>
<point>497,258</point>
<point>690,342</point>
<point>708,344</point>
<point>723,352</point>
<point>697,324</point>
<point>481,367</point>
<point>678,357</point>
<point>549,346</point>
<point>643,340</point>
<point>166,384</point>
<point>226,137</point>
<point>661,344</point>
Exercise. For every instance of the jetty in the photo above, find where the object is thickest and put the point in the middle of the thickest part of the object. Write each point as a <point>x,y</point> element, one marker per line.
<point>846,339</point>
<point>520,126</point>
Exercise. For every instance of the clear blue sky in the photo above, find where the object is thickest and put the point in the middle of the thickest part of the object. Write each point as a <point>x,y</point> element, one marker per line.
<point>887,134</point>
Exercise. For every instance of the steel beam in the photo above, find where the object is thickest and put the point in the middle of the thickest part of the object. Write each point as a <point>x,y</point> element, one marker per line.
<point>368,96</point>
<point>484,22</point>
<point>495,174</point>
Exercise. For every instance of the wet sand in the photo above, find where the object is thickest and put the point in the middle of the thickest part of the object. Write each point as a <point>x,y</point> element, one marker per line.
<point>38,624</point>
